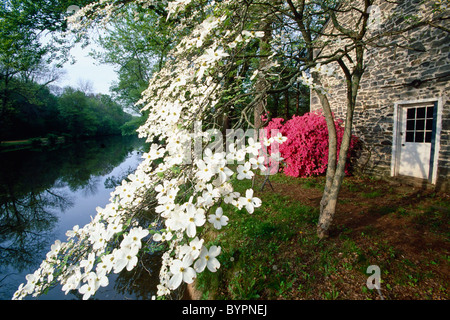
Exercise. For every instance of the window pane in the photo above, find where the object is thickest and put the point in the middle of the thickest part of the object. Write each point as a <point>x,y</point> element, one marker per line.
<point>409,136</point>
<point>429,124</point>
<point>420,125</point>
<point>419,137</point>
<point>428,136</point>
<point>410,125</point>
<point>421,113</point>
<point>411,114</point>
<point>430,111</point>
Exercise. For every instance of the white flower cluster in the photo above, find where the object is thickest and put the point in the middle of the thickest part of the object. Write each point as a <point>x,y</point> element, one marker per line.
<point>210,179</point>
<point>188,188</point>
<point>323,70</point>
<point>177,5</point>
<point>101,11</point>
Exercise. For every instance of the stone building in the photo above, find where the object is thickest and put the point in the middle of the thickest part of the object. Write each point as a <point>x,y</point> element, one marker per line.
<point>402,115</point>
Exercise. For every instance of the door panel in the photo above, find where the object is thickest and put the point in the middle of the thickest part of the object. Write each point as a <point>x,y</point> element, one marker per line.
<point>416,137</point>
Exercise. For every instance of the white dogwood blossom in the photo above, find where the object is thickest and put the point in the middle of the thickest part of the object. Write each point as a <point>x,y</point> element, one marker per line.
<point>244,171</point>
<point>208,258</point>
<point>178,182</point>
<point>181,272</point>
<point>218,219</point>
<point>249,202</point>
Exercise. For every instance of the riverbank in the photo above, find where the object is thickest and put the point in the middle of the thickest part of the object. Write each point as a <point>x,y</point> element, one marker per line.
<point>275,253</point>
<point>42,142</point>
<point>14,145</point>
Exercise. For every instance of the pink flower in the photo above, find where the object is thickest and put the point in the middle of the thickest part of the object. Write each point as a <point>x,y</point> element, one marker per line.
<point>305,152</point>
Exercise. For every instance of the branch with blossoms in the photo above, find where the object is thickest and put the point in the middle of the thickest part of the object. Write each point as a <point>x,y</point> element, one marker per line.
<point>184,187</point>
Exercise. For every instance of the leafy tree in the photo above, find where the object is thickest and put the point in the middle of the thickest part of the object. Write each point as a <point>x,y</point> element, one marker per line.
<point>19,51</point>
<point>109,114</point>
<point>73,106</point>
<point>137,43</point>
<point>130,127</point>
<point>22,25</point>
<point>90,115</point>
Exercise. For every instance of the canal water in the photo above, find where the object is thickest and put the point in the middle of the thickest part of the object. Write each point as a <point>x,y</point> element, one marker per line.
<point>44,193</point>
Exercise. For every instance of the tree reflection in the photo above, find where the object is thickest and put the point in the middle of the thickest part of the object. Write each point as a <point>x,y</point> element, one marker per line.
<point>26,225</point>
<point>141,282</point>
<point>114,181</point>
<point>35,188</point>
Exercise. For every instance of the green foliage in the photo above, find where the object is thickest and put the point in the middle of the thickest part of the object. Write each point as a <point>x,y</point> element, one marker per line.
<point>33,111</point>
<point>275,253</point>
<point>129,128</point>
<point>137,43</point>
<point>250,266</point>
<point>91,115</point>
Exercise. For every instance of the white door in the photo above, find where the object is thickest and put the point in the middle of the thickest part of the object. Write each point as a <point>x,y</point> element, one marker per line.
<point>416,130</point>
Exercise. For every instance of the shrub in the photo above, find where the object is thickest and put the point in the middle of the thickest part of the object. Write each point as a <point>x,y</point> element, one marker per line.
<point>36,142</point>
<point>52,138</point>
<point>305,152</point>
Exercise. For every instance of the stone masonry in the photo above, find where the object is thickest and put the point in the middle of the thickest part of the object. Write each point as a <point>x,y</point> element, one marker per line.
<point>411,67</point>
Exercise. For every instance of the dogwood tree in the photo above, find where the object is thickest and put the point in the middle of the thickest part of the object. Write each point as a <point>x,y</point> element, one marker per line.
<point>229,55</point>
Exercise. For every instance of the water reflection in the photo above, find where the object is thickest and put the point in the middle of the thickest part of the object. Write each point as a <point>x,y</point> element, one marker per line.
<point>45,193</point>
<point>26,222</point>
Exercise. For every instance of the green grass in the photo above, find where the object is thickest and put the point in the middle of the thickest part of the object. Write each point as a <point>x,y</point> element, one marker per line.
<point>274,253</point>
<point>256,258</point>
<point>250,246</point>
<point>372,194</point>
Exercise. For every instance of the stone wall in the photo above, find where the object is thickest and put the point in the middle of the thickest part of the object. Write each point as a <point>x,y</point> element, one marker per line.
<point>418,67</point>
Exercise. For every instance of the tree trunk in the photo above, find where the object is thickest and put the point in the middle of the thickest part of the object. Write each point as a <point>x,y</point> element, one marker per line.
<point>329,197</point>
<point>336,173</point>
<point>332,143</point>
<point>276,98</point>
<point>261,82</point>
<point>286,103</point>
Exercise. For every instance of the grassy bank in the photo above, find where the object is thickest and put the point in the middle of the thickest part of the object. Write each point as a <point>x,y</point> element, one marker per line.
<point>31,143</point>
<point>275,253</point>
<point>15,145</point>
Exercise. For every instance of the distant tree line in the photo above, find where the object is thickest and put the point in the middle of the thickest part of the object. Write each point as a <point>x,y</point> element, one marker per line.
<point>32,110</point>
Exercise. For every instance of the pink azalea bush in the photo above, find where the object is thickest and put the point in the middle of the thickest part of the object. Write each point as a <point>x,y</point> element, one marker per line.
<point>305,152</point>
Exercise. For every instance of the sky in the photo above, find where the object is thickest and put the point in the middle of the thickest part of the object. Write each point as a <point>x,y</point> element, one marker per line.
<point>87,69</point>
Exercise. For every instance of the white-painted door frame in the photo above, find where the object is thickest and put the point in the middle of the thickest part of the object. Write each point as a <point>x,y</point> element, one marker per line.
<point>398,139</point>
